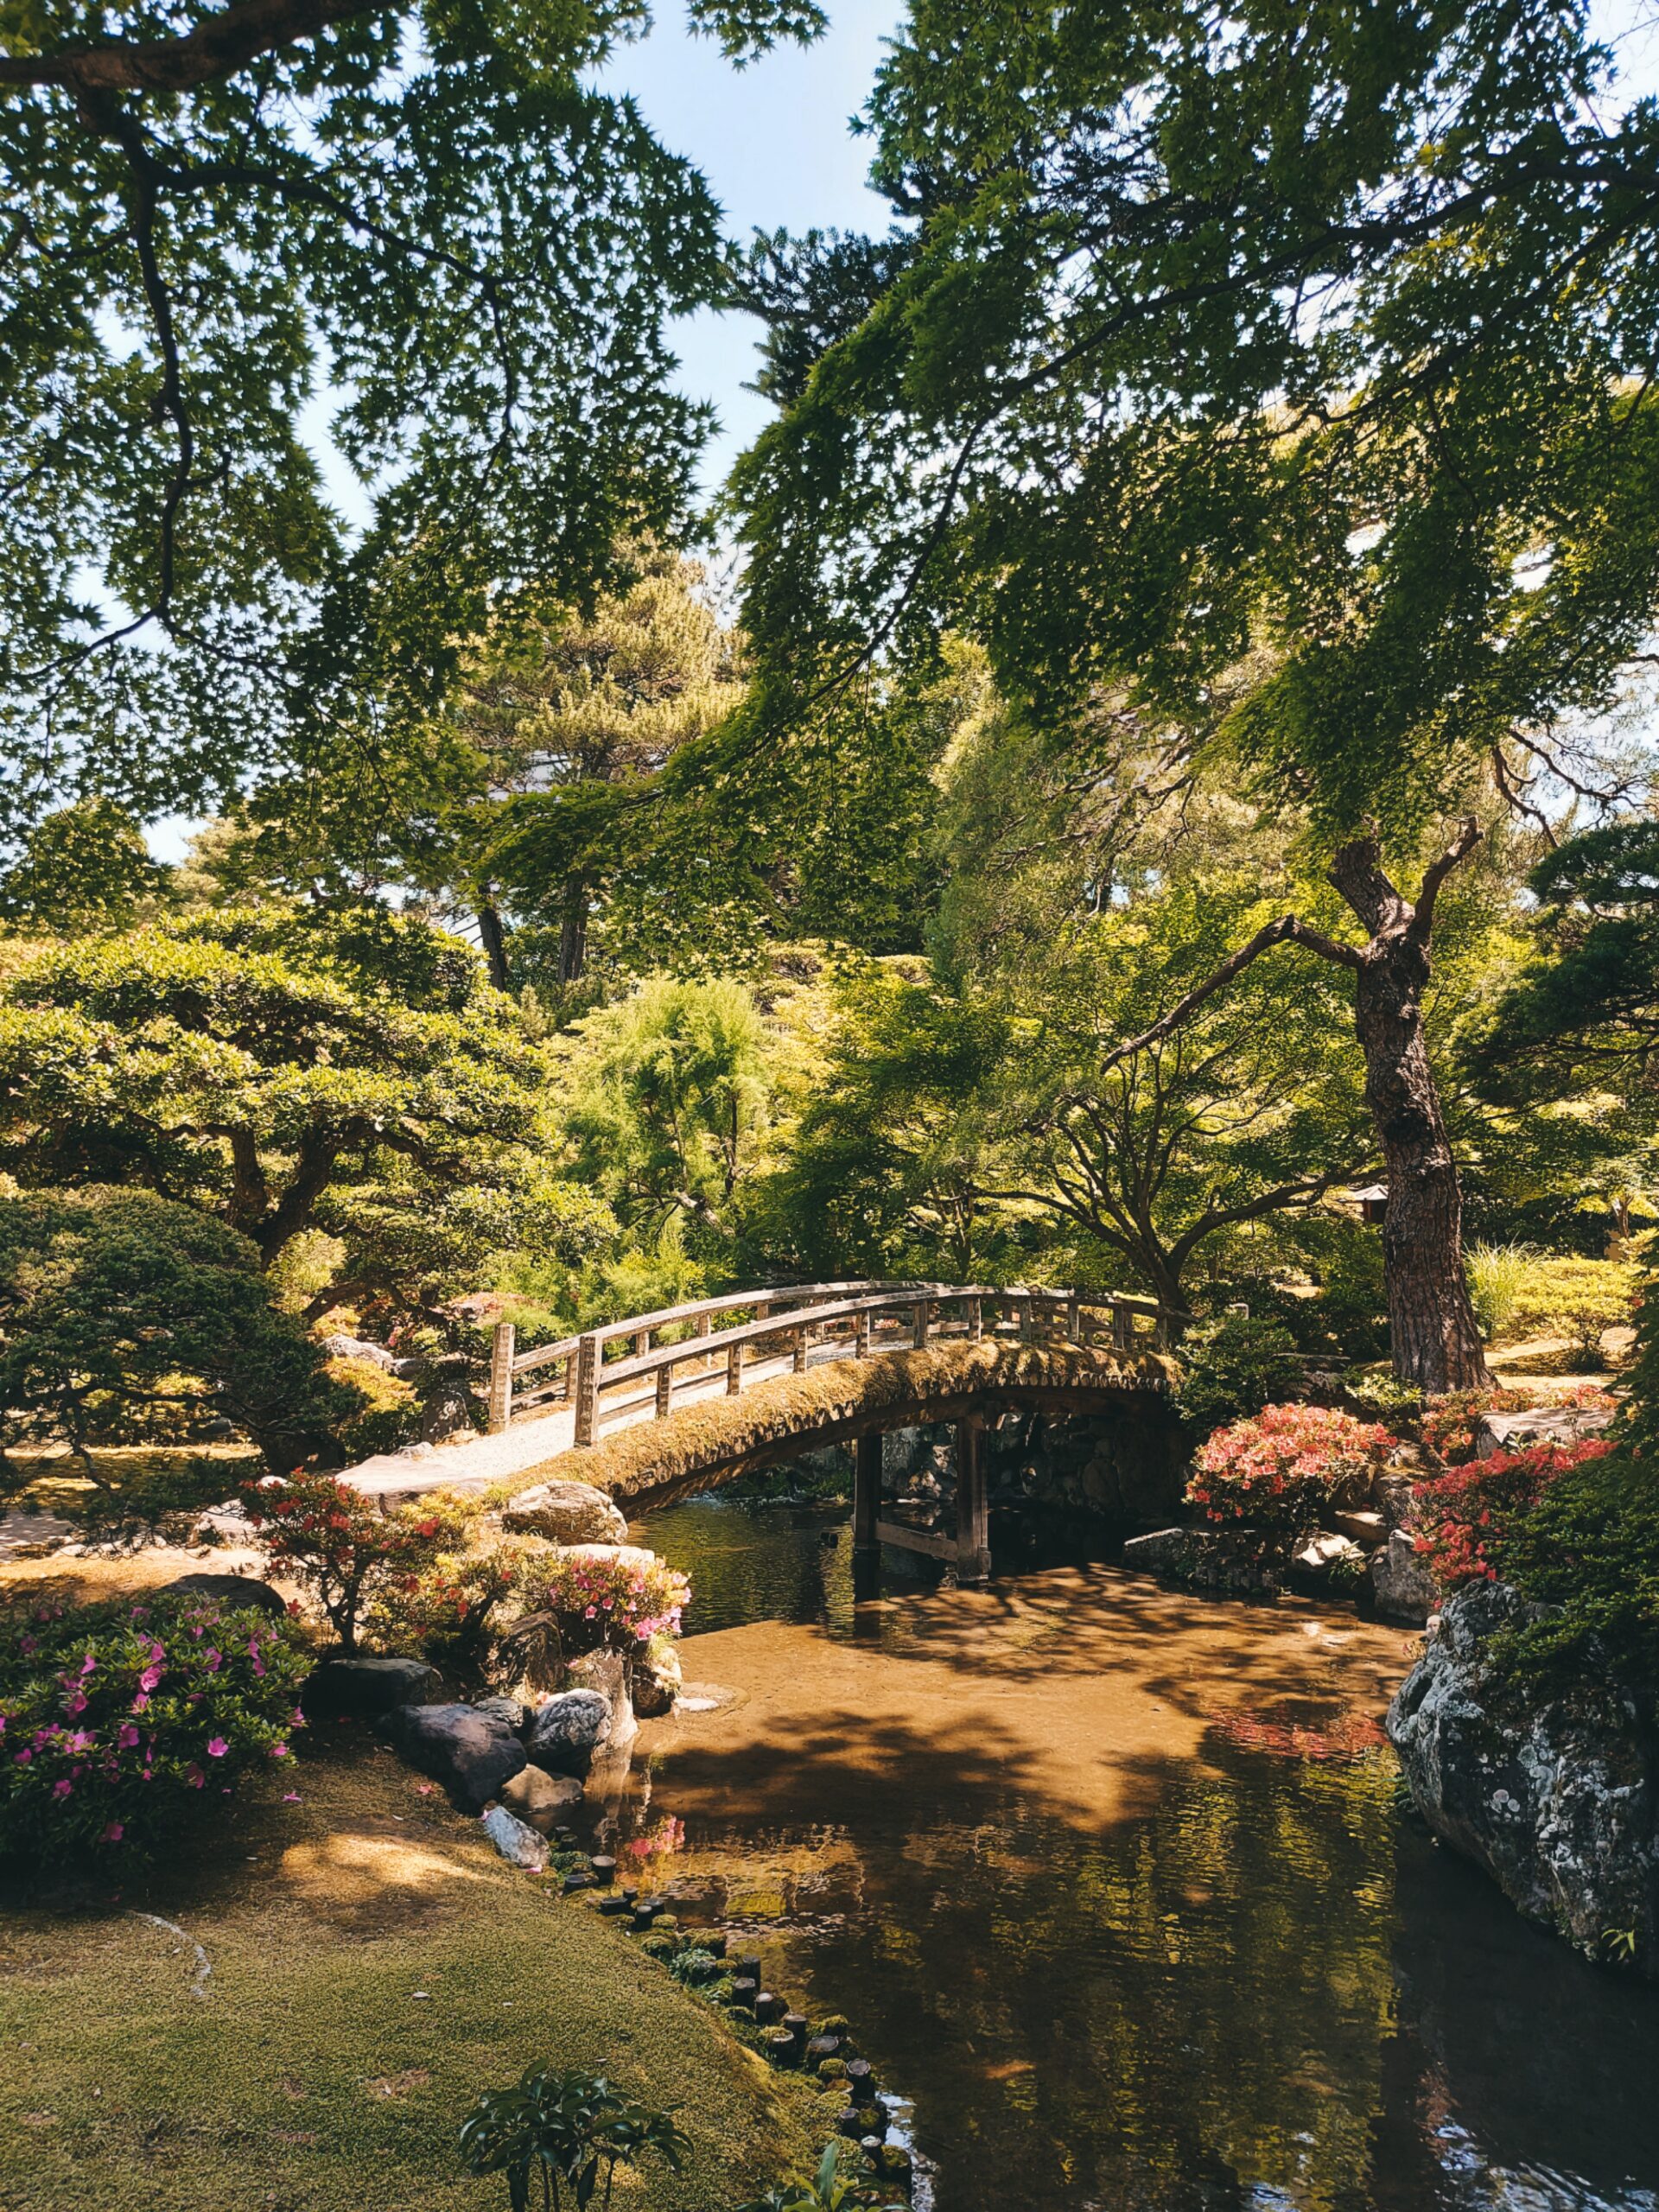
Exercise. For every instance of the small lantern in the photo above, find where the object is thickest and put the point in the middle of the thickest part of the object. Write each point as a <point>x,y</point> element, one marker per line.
<point>1373,1201</point>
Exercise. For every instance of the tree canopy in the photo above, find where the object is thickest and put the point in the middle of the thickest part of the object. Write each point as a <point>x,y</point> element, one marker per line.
<point>212,216</point>
<point>1289,373</point>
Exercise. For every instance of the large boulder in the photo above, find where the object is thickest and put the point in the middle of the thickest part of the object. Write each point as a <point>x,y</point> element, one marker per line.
<point>1556,1795</point>
<point>608,1672</point>
<point>657,1680</point>
<point>1401,1582</point>
<point>364,1689</point>
<point>567,1731</point>
<point>541,1799</point>
<point>568,1513</point>
<point>471,1753</point>
<point>242,1592</point>
<point>1559,1425</point>
<point>1204,1559</point>
<point>519,1844</point>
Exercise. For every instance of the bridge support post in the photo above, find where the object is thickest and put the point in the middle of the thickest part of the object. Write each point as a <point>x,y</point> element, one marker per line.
<point>501,1346</point>
<point>587,1357</point>
<point>973,1517</point>
<point>867,1511</point>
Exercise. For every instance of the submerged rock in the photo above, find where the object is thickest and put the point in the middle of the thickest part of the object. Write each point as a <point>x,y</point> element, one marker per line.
<point>471,1753</point>
<point>569,1513</point>
<point>1401,1582</point>
<point>568,1730</point>
<point>540,1798</point>
<point>1556,1795</point>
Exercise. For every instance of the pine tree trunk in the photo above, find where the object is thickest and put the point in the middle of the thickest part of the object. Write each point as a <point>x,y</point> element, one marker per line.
<point>1431,1328</point>
<point>573,931</point>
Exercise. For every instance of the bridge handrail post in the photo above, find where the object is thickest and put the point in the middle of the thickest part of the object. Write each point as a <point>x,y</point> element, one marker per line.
<point>664,1390</point>
<point>1122,1325</point>
<point>588,1366</point>
<point>733,1369</point>
<point>1074,1319</point>
<point>976,1321</point>
<point>919,1318</point>
<point>861,1333</point>
<point>705,1322</point>
<point>501,1349</point>
<point>798,1356</point>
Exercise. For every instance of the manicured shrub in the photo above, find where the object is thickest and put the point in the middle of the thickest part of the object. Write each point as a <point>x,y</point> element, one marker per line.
<point>388,1411</point>
<point>1464,1516</point>
<point>1578,1299</point>
<point>1231,1366</point>
<point>1280,1471</point>
<point>1589,1549</point>
<point>1450,1422</point>
<point>120,1723</point>
<point>320,1533</point>
<point>457,1610</point>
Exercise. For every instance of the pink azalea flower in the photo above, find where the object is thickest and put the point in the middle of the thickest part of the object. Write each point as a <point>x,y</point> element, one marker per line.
<point>195,1776</point>
<point>21,1758</point>
<point>113,1834</point>
<point>216,1747</point>
<point>88,1664</point>
<point>141,1703</point>
<point>77,1704</point>
<point>126,1736</point>
<point>292,1798</point>
<point>151,1676</point>
<point>27,1646</point>
<point>279,1751</point>
<point>62,1789</point>
<point>215,1660</point>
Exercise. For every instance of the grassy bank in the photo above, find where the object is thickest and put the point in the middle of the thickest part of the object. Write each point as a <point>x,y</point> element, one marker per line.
<point>309,2075</point>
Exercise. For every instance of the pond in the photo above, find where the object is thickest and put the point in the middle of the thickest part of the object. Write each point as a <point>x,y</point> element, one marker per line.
<point>1117,1893</point>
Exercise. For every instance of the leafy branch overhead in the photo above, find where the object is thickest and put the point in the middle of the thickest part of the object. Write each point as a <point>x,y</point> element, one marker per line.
<point>212,215</point>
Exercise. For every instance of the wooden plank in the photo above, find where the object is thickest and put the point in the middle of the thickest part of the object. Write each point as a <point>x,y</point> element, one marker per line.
<point>664,1390</point>
<point>915,1540</point>
<point>501,1377</point>
<point>589,1355</point>
<point>543,1356</point>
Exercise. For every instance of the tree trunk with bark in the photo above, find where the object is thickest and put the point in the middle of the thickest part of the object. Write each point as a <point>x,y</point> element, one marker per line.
<point>573,931</point>
<point>1432,1329</point>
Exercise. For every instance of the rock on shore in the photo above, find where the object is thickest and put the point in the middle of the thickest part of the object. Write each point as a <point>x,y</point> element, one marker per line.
<point>1556,1796</point>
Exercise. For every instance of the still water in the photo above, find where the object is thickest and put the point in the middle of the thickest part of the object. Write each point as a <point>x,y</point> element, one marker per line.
<point>1116,1891</point>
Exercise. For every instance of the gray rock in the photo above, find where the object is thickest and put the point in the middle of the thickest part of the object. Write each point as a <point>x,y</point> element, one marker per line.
<point>1392,1494</point>
<point>1404,1588</point>
<point>516,1842</point>
<point>341,1346</point>
<point>1544,1425</point>
<point>658,1682</point>
<point>541,1799</point>
<point>607,1674</point>
<point>507,1709</point>
<point>238,1590</point>
<point>1329,1556</point>
<point>471,1753</point>
<point>1203,1559</point>
<point>363,1689</point>
<point>1556,1796</point>
<point>568,1513</point>
<point>567,1731</point>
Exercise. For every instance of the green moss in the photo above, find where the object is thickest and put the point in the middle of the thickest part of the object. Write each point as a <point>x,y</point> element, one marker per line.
<point>310,2074</point>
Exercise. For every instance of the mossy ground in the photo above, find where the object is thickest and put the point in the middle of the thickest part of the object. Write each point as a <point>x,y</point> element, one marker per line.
<point>310,2076</point>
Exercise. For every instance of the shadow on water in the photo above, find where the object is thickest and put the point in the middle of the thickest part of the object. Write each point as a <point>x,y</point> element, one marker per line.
<point>1183,1957</point>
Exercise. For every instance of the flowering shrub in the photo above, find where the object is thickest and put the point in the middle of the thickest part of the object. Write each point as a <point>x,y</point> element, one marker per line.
<point>1449,1423</point>
<point>1282,1470</point>
<point>117,1721</point>
<point>1463,1517</point>
<point>319,1532</point>
<point>601,1595</point>
<point>455,1610</point>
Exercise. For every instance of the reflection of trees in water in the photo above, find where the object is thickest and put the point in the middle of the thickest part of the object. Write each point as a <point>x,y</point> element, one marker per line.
<point>749,1564</point>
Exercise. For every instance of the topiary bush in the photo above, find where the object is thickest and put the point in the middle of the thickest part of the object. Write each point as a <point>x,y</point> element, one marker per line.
<point>121,1723</point>
<point>1279,1473</point>
<point>1233,1366</point>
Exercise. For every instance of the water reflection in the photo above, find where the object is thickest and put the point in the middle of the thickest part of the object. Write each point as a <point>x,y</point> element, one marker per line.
<point>1254,1986</point>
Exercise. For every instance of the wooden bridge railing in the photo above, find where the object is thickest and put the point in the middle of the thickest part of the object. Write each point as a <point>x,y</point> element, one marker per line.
<point>859,1318</point>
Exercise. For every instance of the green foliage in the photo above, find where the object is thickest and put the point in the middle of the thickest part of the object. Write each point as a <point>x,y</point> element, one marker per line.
<point>433,212</point>
<point>1590,1547</point>
<point>388,1414</point>
<point>668,1099</point>
<point>1578,1299</point>
<point>1338,423</point>
<point>112,1301</point>
<point>1497,1280</point>
<point>85,867</point>
<point>1234,1366</point>
<point>286,1071</point>
<point>827,2190</point>
<point>122,1722</point>
<point>563,2132</point>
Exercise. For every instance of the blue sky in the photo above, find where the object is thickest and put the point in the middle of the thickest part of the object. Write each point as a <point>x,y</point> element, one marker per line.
<point>775,144</point>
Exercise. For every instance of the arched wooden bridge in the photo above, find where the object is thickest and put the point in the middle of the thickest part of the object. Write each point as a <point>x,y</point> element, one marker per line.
<point>669,1402</point>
